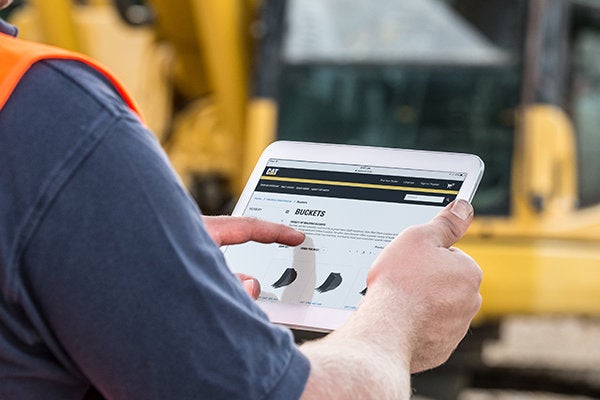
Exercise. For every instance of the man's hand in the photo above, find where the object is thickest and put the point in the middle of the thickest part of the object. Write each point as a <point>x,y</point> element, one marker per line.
<point>226,230</point>
<point>430,286</point>
<point>422,294</point>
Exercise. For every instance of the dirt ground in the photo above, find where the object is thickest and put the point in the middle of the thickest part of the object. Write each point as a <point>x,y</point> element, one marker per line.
<point>479,394</point>
<point>566,344</point>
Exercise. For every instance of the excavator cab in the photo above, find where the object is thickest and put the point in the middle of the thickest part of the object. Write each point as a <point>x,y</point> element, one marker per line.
<point>436,75</point>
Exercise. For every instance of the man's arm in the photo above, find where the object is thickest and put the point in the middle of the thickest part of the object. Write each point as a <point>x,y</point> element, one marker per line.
<point>131,295</point>
<point>422,296</point>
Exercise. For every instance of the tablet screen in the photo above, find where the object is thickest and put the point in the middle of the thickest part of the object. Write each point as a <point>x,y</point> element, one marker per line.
<point>349,212</point>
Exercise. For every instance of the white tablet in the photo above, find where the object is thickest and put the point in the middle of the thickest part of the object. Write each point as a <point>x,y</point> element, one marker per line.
<point>350,201</point>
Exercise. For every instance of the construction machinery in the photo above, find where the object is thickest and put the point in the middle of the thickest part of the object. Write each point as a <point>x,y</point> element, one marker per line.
<point>515,81</point>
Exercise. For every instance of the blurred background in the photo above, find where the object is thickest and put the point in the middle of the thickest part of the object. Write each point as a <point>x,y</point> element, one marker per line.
<point>515,81</point>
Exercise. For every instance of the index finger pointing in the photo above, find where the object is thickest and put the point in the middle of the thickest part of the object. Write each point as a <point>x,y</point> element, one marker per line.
<point>236,230</point>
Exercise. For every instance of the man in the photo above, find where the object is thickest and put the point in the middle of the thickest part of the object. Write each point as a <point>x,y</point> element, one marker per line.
<point>111,278</point>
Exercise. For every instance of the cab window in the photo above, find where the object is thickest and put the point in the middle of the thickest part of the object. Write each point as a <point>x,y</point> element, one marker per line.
<point>584,106</point>
<point>435,75</point>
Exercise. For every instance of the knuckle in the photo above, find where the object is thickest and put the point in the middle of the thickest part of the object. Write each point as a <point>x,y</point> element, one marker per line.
<point>449,229</point>
<point>250,220</point>
<point>476,304</point>
<point>479,273</point>
<point>411,232</point>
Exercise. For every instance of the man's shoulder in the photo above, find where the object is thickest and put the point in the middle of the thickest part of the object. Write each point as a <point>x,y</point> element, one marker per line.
<point>54,119</point>
<point>78,82</point>
<point>54,107</point>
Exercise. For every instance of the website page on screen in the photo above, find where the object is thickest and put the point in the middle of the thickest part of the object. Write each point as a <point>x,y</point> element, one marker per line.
<point>349,213</point>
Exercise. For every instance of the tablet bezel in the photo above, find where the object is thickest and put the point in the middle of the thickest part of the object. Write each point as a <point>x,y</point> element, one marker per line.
<point>319,319</point>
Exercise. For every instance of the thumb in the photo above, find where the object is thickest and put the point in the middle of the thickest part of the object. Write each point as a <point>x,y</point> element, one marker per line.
<point>451,223</point>
<point>251,285</point>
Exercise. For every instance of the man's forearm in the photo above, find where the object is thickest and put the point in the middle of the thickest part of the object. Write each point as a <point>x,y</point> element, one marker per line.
<point>353,370</point>
<point>365,359</point>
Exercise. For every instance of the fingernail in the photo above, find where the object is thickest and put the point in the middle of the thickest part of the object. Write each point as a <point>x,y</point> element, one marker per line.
<point>249,285</point>
<point>462,209</point>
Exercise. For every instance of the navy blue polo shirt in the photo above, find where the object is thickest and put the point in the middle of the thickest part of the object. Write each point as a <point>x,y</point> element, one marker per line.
<point>107,275</point>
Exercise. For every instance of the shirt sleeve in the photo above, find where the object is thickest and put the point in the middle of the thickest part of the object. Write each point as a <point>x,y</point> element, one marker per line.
<point>128,289</point>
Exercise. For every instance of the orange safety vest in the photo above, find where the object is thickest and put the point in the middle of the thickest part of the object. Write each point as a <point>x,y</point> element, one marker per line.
<point>17,56</point>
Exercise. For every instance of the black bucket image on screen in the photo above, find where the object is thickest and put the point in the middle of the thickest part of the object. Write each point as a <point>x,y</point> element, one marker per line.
<point>332,282</point>
<point>288,276</point>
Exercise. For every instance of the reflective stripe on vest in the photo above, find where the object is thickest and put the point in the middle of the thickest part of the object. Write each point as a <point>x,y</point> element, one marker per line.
<point>17,56</point>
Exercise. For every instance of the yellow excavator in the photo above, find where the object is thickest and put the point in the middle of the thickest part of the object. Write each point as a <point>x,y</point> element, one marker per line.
<point>515,81</point>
